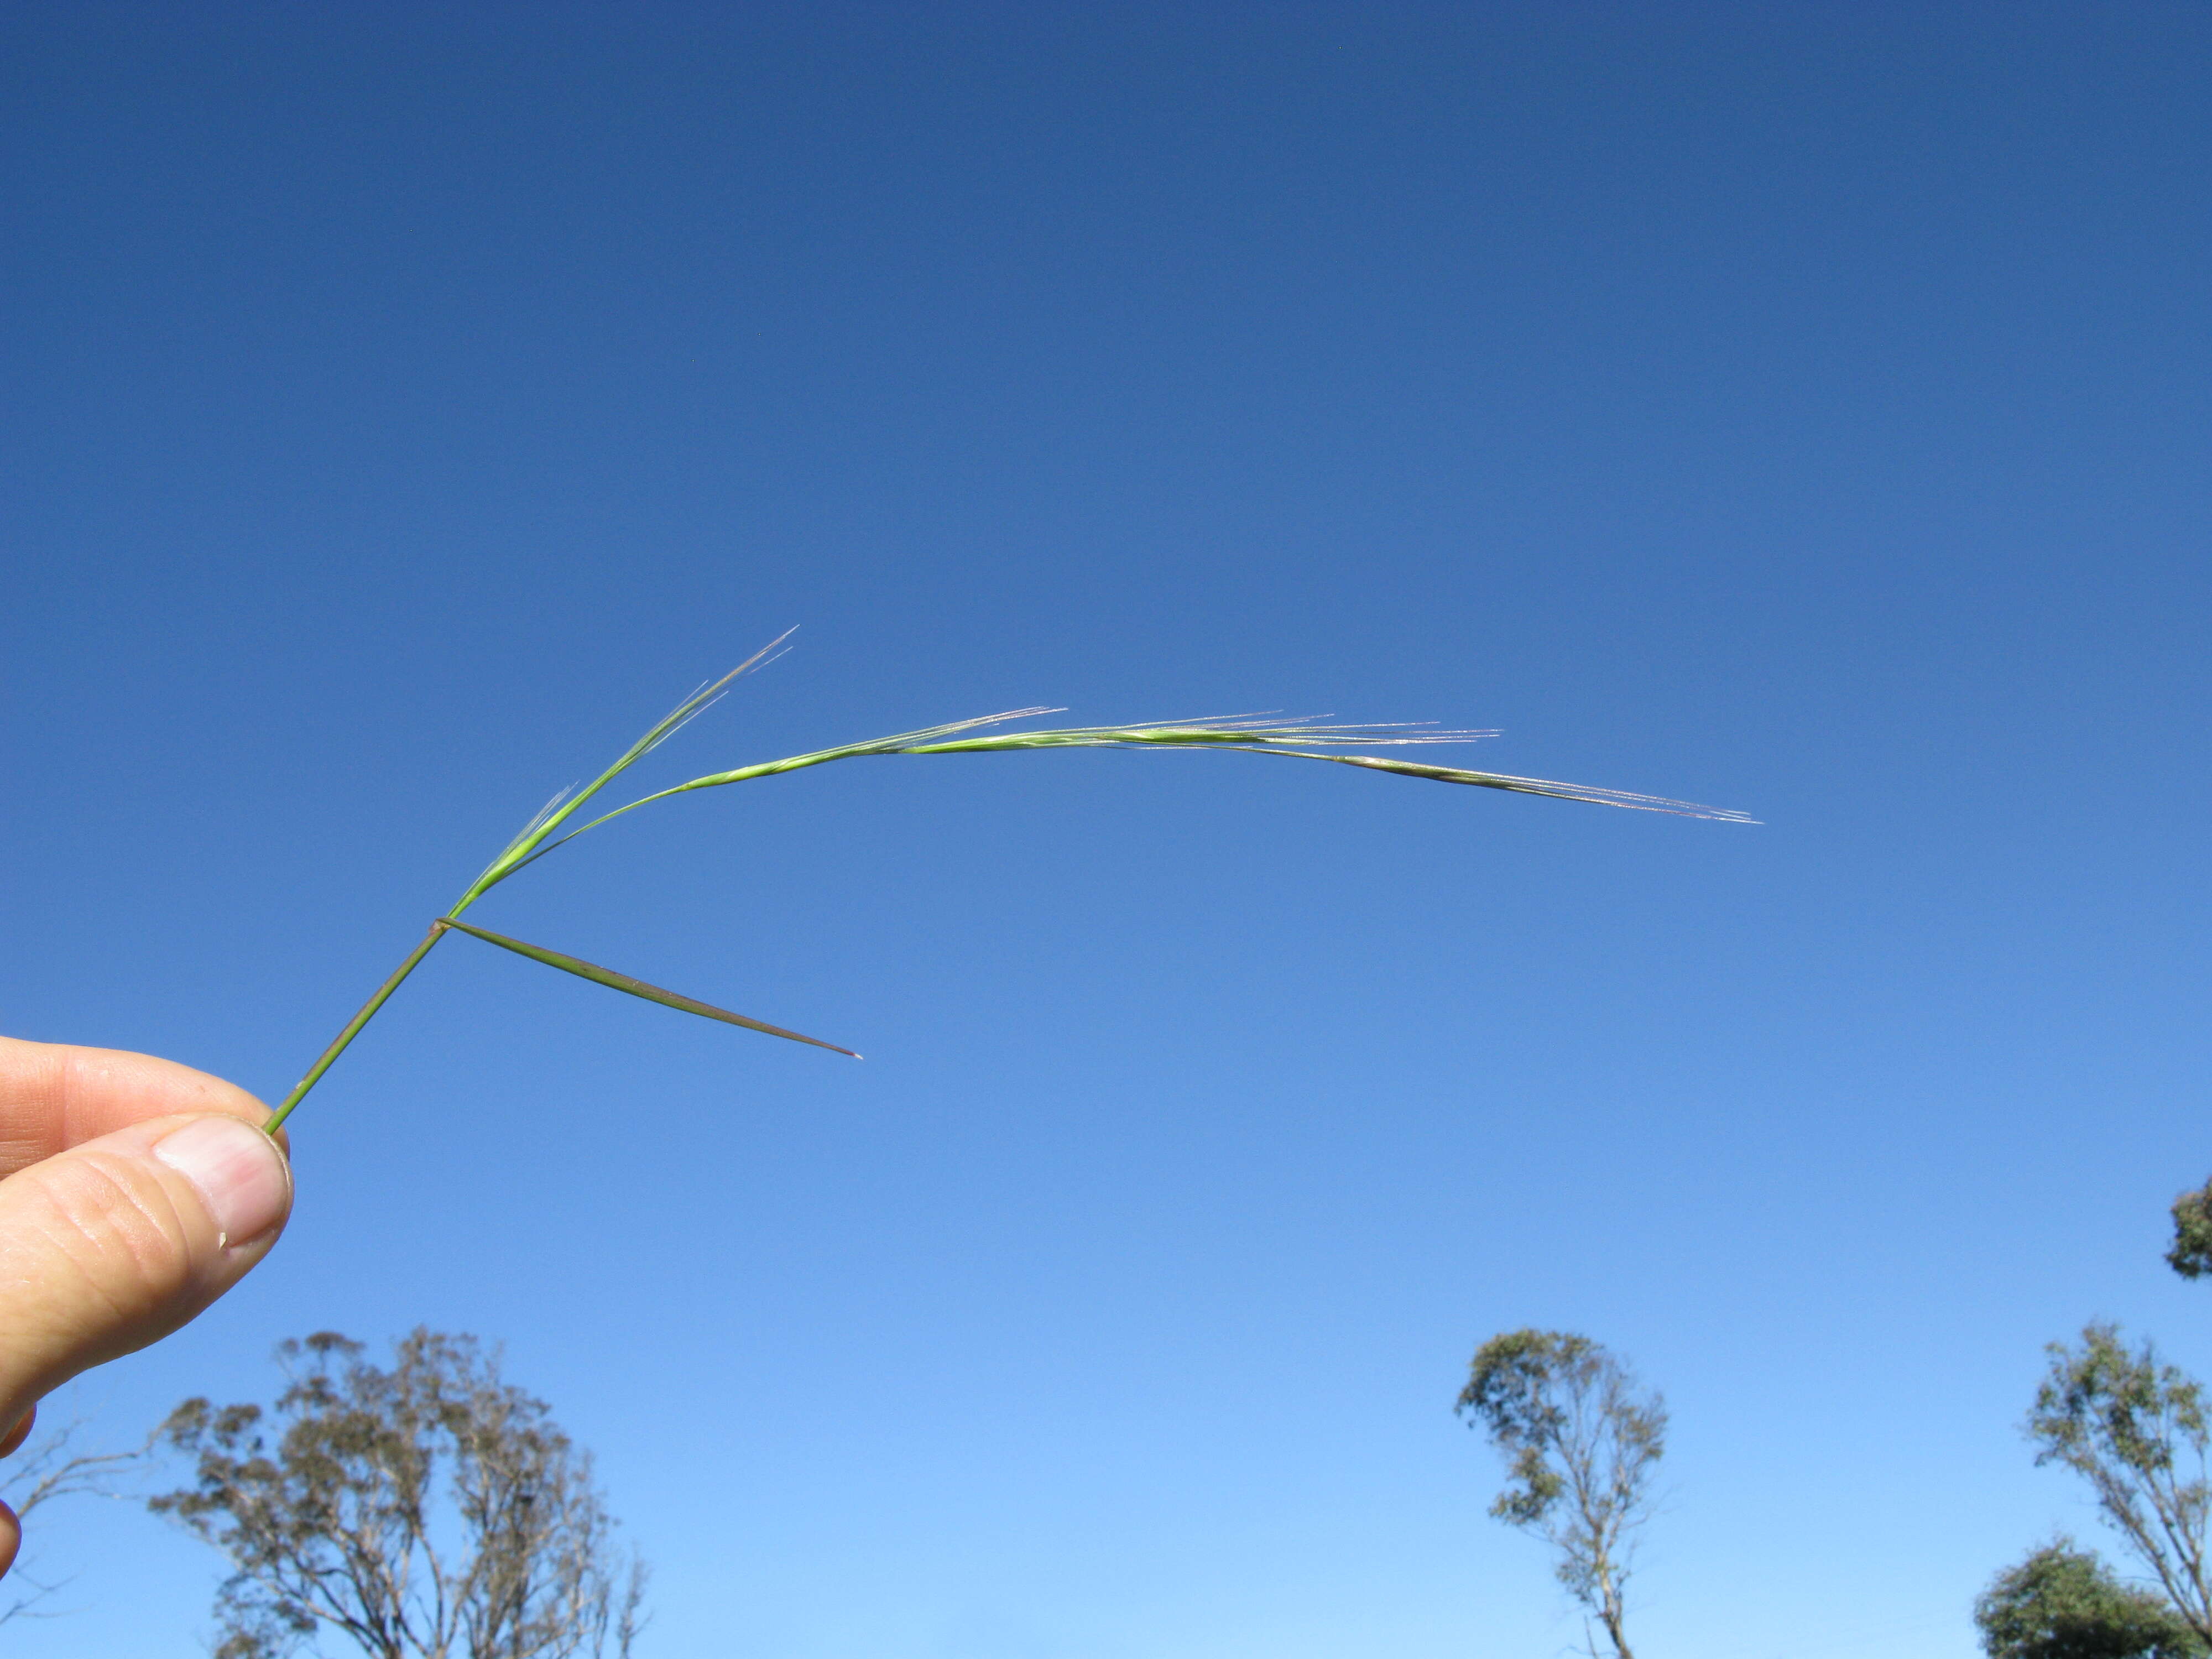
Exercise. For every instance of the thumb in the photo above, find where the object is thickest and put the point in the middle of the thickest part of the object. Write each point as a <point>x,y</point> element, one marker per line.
<point>118,1241</point>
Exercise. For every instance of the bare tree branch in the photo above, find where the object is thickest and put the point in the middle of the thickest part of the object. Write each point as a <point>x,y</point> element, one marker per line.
<point>49,1470</point>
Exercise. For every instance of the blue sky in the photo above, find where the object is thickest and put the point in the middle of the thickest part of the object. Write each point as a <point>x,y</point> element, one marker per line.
<point>1801,409</point>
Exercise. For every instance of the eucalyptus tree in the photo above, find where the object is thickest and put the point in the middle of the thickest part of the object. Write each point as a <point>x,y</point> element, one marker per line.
<point>2133,1428</point>
<point>1582,1442</point>
<point>426,1510</point>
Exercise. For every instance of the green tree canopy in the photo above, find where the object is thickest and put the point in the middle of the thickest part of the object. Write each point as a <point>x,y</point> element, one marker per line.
<point>2191,1254</point>
<point>2064,1603</point>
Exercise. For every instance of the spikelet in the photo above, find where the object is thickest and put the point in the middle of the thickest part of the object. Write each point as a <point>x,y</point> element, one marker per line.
<point>1311,739</point>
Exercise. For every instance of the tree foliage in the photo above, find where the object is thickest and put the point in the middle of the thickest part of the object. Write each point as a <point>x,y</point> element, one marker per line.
<point>428,1511</point>
<point>2191,1253</point>
<point>2134,1429</point>
<point>1581,1445</point>
<point>2064,1603</point>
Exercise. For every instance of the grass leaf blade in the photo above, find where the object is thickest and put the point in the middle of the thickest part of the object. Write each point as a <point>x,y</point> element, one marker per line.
<point>636,988</point>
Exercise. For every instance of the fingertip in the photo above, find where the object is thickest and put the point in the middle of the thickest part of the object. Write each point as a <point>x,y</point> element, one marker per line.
<point>242,1177</point>
<point>12,1442</point>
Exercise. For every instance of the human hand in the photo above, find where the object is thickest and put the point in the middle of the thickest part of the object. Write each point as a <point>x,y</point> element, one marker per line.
<point>133,1193</point>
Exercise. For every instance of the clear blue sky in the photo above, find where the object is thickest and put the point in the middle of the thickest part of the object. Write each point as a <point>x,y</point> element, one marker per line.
<point>1801,408</point>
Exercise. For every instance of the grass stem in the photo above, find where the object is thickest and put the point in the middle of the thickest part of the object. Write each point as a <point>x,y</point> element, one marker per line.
<point>353,1027</point>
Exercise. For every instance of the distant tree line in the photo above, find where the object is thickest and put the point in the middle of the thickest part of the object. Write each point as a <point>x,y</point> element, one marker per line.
<point>1581,1440</point>
<point>430,1510</point>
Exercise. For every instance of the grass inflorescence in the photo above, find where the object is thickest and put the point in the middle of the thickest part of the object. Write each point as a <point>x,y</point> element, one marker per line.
<point>1310,740</point>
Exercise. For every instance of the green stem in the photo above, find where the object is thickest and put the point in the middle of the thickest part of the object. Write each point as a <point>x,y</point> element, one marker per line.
<point>353,1027</point>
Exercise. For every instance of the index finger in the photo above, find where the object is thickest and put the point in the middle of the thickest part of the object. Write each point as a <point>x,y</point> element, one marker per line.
<point>54,1094</point>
